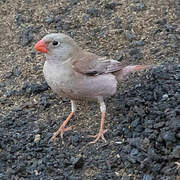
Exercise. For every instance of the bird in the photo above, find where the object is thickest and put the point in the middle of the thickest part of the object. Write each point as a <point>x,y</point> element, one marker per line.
<point>80,75</point>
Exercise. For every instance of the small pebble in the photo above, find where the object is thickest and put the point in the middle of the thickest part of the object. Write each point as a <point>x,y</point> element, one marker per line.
<point>37,138</point>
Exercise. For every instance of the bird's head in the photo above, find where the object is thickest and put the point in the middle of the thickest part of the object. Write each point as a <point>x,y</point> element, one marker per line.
<point>57,46</point>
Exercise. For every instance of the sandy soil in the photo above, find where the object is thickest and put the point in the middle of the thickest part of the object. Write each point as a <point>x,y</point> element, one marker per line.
<point>143,136</point>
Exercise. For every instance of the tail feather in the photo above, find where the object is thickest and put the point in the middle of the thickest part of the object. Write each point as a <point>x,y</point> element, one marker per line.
<point>123,74</point>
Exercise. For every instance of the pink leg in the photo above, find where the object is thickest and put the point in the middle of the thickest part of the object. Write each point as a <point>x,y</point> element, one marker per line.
<point>62,128</point>
<point>101,130</point>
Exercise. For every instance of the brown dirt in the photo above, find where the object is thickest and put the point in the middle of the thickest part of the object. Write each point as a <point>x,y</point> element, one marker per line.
<point>107,28</point>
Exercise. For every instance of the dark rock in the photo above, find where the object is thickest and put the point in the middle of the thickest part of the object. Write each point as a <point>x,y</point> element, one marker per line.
<point>99,177</point>
<point>59,27</point>
<point>30,88</point>
<point>159,125</point>
<point>74,2</point>
<point>162,21</point>
<point>145,144</point>
<point>168,28</point>
<point>49,20</point>
<point>133,156</point>
<point>66,26</point>
<point>177,36</point>
<point>2,84</point>
<point>146,163</point>
<point>67,163</point>
<point>156,31</point>
<point>16,71</point>
<point>118,131</point>
<point>130,35</point>
<point>26,36</point>
<point>155,50</point>
<point>73,178</point>
<point>119,57</point>
<point>75,139</point>
<point>138,7</point>
<point>168,136</point>
<point>127,132</point>
<point>156,168</point>
<point>58,19</point>
<point>178,54</point>
<point>135,123</point>
<point>126,178</point>
<point>176,151</point>
<point>160,139</point>
<point>142,6</point>
<point>78,162</point>
<point>178,135</point>
<point>134,51</point>
<point>167,170</point>
<point>131,159</point>
<point>10,93</point>
<point>117,23</point>
<point>19,19</point>
<point>139,128</point>
<point>110,6</point>
<point>93,12</point>
<point>10,171</point>
<point>134,152</point>
<point>174,123</point>
<point>139,43</point>
<point>9,74</point>
<point>135,142</point>
<point>139,110</point>
<point>147,177</point>
<point>44,101</point>
<point>85,18</point>
<point>148,131</point>
<point>36,68</point>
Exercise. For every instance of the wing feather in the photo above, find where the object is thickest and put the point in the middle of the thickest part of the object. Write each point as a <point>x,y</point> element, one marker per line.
<point>91,64</point>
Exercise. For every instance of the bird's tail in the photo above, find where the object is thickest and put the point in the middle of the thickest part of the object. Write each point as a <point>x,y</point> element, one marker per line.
<point>124,72</point>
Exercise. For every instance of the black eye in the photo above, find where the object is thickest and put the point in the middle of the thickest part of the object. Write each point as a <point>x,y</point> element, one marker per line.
<point>55,43</point>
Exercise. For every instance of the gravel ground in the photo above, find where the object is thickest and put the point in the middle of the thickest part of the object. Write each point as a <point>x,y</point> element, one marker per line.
<point>143,141</point>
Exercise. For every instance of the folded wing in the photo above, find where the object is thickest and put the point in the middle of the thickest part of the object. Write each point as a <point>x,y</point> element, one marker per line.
<point>91,64</point>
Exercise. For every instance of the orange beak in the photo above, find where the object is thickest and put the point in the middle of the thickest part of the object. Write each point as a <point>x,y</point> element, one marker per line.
<point>41,46</point>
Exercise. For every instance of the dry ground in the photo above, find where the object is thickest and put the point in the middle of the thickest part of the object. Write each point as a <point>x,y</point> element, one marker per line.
<point>132,31</point>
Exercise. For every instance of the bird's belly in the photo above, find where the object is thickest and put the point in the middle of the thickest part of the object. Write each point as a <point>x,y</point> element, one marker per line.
<point>86,88</point>
<point>80,87</point>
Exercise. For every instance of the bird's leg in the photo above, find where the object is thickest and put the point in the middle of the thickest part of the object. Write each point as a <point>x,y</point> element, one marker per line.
<point>101,129</point>
<point>62,128</point>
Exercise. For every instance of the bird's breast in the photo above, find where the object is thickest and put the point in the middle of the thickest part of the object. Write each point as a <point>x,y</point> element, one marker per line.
<point>57,77</point>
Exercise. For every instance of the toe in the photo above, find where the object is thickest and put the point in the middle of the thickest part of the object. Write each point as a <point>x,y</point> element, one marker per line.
<point>103,138</point>
<point>53,137</point>
<point>61,132</point>
<point>98,136</point>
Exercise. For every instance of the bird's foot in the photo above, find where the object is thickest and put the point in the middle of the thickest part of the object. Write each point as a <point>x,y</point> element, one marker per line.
<point>98,136</point>
<point>60,131</point>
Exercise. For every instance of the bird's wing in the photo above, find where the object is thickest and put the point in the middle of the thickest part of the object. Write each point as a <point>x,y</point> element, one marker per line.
<point>91,64</point>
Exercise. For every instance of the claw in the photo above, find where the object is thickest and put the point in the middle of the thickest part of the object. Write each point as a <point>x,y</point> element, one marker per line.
<point>62,128</point>
<point>61,131</point>
<point>98,136</point>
